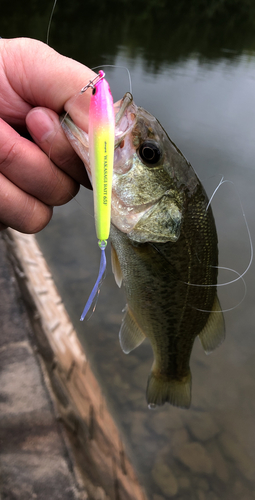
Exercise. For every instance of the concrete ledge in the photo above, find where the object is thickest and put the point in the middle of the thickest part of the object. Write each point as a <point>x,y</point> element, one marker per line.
<point>41,457</point>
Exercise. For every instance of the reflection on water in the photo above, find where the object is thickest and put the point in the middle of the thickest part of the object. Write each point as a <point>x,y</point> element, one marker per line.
<point>200,85</point>
<point>163,31</point>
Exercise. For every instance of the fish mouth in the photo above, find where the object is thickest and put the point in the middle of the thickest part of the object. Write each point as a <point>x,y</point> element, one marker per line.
<point>122,105</point>
<point>124,121</point>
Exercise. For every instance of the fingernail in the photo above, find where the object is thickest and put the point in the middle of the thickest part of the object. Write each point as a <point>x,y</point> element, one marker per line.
<point>40,125</point>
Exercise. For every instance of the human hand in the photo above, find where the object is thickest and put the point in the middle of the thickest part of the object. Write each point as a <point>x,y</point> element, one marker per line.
<point>37,84</point>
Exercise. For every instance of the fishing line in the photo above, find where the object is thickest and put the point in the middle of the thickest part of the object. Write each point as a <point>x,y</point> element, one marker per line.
<point>240,276</point>
<point>50,20</point>
<point>102,270</point>
<point>96,67</point>
<point>119,67</point>
<point>215,191</point>
<point>231,308</point>
<point>75,97</point>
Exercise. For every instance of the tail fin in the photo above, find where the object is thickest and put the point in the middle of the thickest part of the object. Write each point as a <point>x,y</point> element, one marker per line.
<point>162,390</point>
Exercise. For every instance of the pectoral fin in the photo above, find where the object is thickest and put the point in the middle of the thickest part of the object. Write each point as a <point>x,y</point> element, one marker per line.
<point>213,334</point>
<point>116,269</point>
<point>131,335</point>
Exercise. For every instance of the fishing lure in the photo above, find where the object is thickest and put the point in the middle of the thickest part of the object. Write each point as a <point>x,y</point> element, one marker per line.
<point>101,154</point>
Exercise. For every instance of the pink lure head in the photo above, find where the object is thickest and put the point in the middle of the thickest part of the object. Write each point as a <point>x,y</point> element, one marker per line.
<point>101,106</point>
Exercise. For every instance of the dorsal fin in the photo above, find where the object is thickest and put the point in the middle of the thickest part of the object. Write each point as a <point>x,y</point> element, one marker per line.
<point>131,335</point>
<point>116,269</point>
<point>213,333</point>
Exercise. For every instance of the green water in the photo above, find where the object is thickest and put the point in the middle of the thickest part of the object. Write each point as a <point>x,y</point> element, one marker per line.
<point>193,67</point>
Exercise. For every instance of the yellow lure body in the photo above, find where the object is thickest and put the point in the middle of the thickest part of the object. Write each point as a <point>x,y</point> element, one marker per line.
<point>101,153</point>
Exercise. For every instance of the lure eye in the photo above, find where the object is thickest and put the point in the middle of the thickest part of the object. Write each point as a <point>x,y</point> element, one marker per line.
<point>149,152</point>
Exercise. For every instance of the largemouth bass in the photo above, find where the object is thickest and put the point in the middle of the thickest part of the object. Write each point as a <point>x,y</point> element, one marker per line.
<point>164,250</point>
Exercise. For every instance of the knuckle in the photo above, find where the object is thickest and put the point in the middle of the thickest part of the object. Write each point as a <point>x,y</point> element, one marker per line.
<point>67,193</point>
<point>8,153</point>
<point>33,217</point>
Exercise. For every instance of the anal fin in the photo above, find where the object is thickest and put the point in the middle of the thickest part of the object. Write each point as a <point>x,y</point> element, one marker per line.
<point>161,389</point>
<point>131,335</point>
<point>213,333</point>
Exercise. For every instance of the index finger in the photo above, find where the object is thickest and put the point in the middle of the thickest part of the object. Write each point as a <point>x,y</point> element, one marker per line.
<point>43,77</point>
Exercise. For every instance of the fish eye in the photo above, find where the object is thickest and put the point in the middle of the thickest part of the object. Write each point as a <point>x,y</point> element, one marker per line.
<point>149,152</point>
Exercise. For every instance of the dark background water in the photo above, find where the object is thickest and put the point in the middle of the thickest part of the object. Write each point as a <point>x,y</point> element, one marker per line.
<point>193,67</point>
